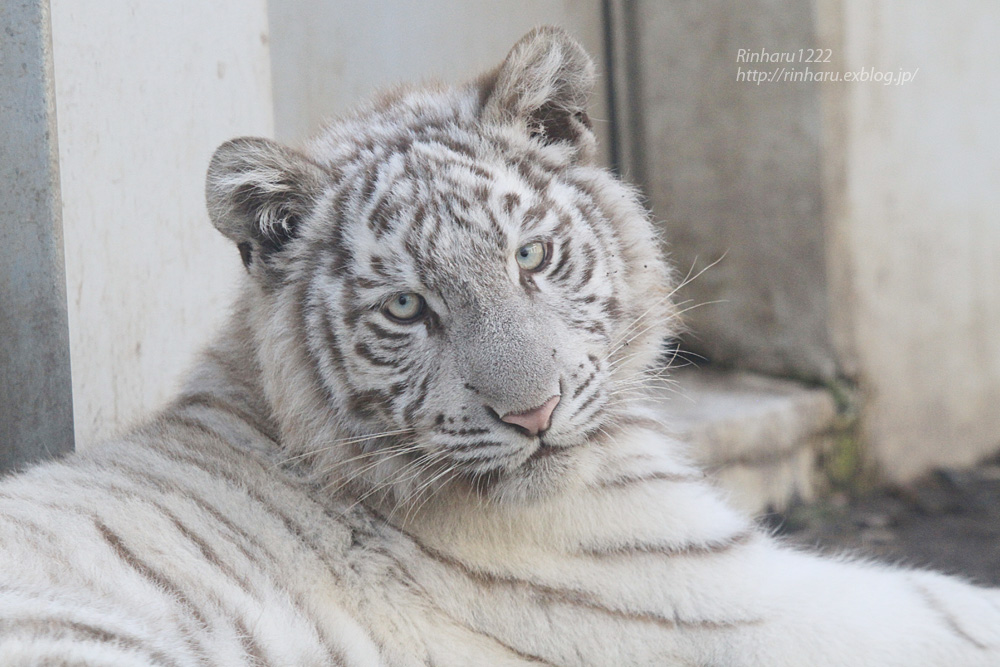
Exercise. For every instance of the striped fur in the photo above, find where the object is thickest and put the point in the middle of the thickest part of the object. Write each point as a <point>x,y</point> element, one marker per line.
<point>336,487</point>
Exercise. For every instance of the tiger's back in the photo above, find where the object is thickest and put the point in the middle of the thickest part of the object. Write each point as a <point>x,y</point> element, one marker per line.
<point>194,547</point>
<point>189,543</point>
<point>168,547</point>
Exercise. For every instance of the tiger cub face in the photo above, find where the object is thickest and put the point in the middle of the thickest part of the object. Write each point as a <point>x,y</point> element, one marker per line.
<point>447,269</point>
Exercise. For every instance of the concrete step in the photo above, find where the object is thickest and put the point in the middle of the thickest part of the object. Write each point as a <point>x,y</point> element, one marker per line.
<point>761,438</point>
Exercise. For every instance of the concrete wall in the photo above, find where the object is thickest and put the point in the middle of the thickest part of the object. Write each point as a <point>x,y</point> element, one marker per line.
<point>856,224</point>
<point>36,403</point>
<point>914,225</point>
<point>327,56</point>
<point>144,93</point>
<point>733,170</point>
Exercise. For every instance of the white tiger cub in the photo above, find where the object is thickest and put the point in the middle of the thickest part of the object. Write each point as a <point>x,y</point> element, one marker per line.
<point>417,440</point>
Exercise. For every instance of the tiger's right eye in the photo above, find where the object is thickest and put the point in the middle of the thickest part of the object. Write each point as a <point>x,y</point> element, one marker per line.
<point>404,308</point>
<point>532,256</point>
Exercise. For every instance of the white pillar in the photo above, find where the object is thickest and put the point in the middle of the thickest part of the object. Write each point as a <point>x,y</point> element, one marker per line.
<point>145,91</point>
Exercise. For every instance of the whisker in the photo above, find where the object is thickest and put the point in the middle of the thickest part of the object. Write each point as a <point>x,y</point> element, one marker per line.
<point>420,468</point>
<point>674,315</point>
<point>403,445</point>
<point>687,280</point>
<point>409,448</point>
<point>427,491</point>
<point>345,441</point>
<point>413,468</point>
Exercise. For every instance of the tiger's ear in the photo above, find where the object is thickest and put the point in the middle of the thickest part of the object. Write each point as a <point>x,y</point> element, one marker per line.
<point>545,81</point>
<point>258,192</point>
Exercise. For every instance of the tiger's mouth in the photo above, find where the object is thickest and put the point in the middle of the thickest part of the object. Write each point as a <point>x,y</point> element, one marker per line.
<point>545,451</point>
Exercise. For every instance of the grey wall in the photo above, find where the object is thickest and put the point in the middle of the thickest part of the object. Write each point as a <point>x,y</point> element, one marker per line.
<point>733,171</point>
<point>36,409</point>
<point>855,225</point>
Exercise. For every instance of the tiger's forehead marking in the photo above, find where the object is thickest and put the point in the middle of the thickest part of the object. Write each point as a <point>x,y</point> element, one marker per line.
<point>427,213</point>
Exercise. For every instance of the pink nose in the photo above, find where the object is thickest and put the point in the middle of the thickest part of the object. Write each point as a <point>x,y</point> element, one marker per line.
<point>536,420</point>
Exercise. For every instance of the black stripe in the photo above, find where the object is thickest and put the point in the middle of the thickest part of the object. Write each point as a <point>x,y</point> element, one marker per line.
<point>363,350</point>
<point>207,552</point>
<point>465,431</point>
<point>370,403</point>
<point>159,581</point>
<point>276,565</point>
<point>478,444</point>
<point>331,344</point>
<point>219,404</point>
<point>383,214</point>
<point>402,567</point>
<point>157,578</point>
<point>377,264</point>
<point>456,146</point>
<point>563,262</point>
<point>511,200</point>
<point>589,258</point>
<point>237,537</point>
<point>290,526</point>
<point>584,385</point>
<point>409,412</point>
<point>612,307</point>
<point>384,334</point>
<point>947,618</point>
<point>586,403</point>
<point>195,424</point>
<point>631,480</point>
<point>571,597</point>
<point>59,627</point>
<point>672,550</point>
<point>533,215</point>
<point>250,646</point>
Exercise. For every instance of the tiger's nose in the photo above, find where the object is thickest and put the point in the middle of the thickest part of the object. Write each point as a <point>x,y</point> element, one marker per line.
<point>536,420</point>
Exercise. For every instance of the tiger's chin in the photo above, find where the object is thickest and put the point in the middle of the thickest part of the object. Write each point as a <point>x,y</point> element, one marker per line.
<point>531,468</point>
<point>549,466</point>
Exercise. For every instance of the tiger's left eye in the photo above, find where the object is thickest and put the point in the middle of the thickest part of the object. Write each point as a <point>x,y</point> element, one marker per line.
<point>405,308</point>
<point>532,256</point>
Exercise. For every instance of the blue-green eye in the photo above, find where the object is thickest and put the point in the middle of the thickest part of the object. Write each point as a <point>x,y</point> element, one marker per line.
<point>405,307</point>
<point>532,256</point>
